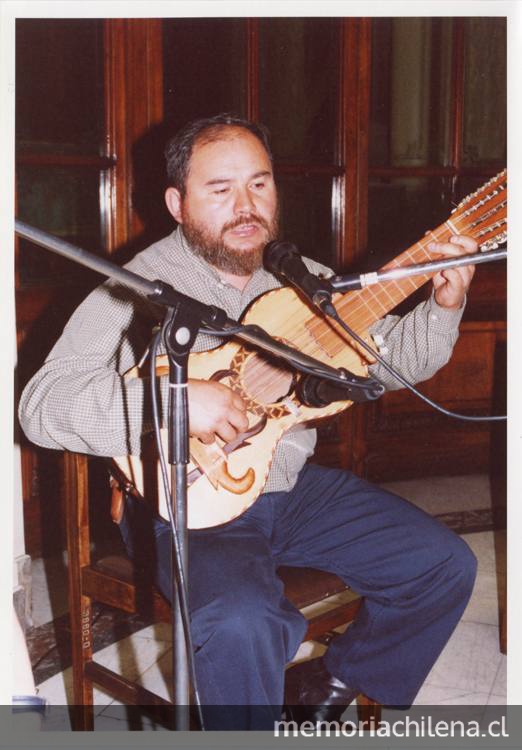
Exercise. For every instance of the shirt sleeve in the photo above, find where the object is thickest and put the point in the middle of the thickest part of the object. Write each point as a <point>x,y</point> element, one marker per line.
<point>418,344</point>
<point>80,400</point>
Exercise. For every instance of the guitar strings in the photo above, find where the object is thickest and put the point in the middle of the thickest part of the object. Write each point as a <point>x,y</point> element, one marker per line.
<point>359,305</point>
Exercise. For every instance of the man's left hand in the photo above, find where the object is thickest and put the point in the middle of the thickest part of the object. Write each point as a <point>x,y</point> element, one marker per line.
<point>452,284</point>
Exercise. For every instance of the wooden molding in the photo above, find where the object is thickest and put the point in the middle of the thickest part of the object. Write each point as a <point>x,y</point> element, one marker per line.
<point>134,97</point>
<point>252,73</point>
<point>458,93</point>
<point>351,194</point>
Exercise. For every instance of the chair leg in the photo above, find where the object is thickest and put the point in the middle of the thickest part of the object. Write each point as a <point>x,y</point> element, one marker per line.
<point>76,489</point>
<point>82,718</point>
<point>368,712</point>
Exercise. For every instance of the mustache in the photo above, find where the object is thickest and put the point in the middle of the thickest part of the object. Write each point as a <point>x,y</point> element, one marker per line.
<point>251,218</point>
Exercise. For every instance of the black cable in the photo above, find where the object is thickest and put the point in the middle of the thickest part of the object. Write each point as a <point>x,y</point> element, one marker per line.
<point>180,573</point>
<point>316,372</point>
<point>225,332</point>
<point>406,383</point>
<point>382,361</point>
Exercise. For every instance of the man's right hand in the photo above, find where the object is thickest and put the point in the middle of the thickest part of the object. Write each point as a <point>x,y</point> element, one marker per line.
<point>215,411</point>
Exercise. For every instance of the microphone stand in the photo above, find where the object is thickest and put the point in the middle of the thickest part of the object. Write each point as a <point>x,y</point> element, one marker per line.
<point>162,293</point>
<point>348,282</point>
<point>185,316</point>
<point>180,329</point>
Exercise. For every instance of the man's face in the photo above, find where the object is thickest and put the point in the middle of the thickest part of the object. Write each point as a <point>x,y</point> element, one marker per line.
<point>229,211</point>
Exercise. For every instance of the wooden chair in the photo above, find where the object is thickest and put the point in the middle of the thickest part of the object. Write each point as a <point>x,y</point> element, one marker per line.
<point>111,581</point>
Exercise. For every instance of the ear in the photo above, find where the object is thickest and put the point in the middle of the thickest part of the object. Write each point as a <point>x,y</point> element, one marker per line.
<point>173,201</point>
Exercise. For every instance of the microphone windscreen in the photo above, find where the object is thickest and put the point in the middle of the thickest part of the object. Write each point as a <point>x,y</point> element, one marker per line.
<point>276,253</point>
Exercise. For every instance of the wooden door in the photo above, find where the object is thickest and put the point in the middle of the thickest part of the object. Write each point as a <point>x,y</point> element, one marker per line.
<point>96,100</point>
<point>87,93</point>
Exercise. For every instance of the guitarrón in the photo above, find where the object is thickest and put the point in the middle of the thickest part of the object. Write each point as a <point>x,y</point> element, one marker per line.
<point>224,479</point>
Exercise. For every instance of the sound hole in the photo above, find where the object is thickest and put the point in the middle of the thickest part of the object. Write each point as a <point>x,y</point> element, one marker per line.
<point>264,382</point>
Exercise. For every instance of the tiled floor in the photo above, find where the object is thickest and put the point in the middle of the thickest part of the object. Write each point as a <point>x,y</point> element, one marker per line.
<point>470,671</point>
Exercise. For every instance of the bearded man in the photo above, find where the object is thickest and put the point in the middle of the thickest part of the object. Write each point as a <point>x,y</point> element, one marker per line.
<point>416,576</point>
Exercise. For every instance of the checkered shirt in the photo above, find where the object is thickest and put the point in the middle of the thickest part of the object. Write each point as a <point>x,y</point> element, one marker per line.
<point>79,400</point>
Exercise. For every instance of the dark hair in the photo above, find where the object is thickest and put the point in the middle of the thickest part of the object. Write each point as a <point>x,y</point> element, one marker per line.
<point>178,150</point>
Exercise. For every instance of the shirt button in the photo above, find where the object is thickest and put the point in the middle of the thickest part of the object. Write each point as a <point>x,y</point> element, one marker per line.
<point>433,316</point>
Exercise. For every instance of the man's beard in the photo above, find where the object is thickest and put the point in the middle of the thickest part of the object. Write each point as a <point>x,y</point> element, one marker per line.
<point>215,250</point>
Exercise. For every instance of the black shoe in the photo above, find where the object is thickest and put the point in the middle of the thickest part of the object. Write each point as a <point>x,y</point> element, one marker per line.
<point>313,694</point>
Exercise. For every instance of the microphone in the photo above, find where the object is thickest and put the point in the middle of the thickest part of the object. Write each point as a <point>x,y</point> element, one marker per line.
<point>283,259</point>
<point>318,392</point>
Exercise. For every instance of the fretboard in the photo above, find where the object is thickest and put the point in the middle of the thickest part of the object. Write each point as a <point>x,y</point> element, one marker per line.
<point>373,302</point>
<point>482,215</point>
<point>363,307</point>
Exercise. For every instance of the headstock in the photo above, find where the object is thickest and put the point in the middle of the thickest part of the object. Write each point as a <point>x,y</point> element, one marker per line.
<point>483,214</point>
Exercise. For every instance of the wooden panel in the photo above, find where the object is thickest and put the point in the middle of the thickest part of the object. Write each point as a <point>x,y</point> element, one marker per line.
<point>252,58</point>
<point>487,299</point>
<point>427,452</point>
<point>134,105</point>
<point>351,196</point>
<point>399,436</point>
<point>466,382</point>
<point>299,88</point>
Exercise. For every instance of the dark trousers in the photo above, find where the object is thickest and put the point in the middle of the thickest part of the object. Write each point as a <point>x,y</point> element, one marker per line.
<point>415,574</point>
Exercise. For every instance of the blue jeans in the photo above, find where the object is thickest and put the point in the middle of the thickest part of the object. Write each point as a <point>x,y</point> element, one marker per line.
<point>415,574</point>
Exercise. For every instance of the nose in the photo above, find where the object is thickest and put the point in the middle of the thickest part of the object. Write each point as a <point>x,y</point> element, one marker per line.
<point>244,203</point>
